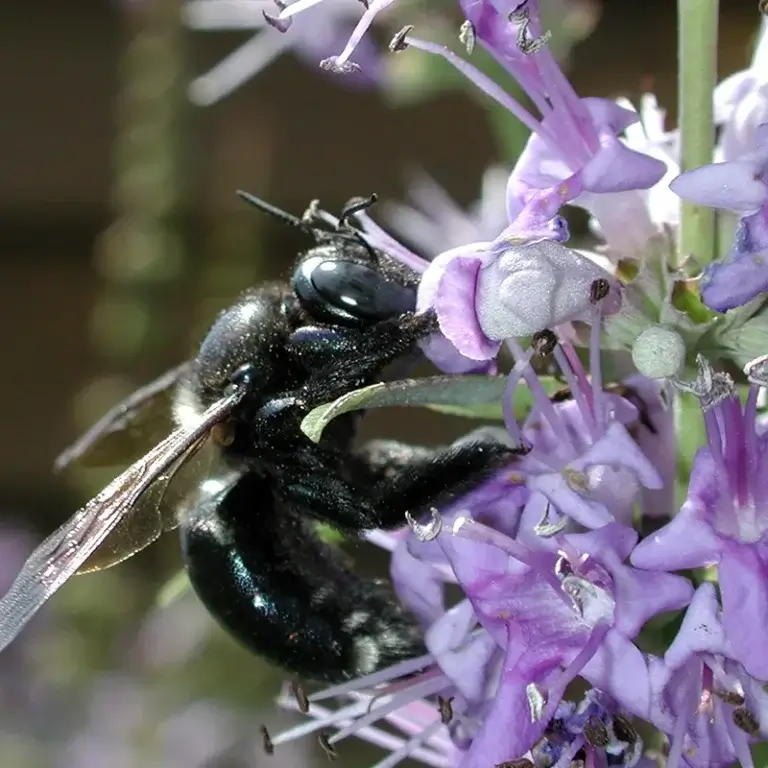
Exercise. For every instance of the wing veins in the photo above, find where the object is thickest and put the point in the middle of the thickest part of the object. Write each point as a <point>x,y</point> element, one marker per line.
<point>60,555</point>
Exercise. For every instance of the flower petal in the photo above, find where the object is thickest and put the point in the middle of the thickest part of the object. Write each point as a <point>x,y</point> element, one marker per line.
<point>734,185</point>
<point>417,585</point>
<point>619,669</point>
<point>617,168</point>
<point>744,586</point>
<point>687,541</point>
<point>702,630</point>
<point>731,284</point>
<point>449,285</point>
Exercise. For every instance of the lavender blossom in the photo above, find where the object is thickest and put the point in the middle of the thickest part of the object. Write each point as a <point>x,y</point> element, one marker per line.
<point>574,139</point>
<point>341,63</point>
<point>545,601</point>
<point>739,185</point>
<point>724,520</point>
<point>433,222</point>
<point>710,706</point>
<point>741,103</point>
<point>311,35</point>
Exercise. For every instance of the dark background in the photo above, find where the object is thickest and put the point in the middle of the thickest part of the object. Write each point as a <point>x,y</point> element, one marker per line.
<point>87,315</point>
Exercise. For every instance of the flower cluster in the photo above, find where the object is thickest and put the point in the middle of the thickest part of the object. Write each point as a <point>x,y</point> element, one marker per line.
<point>574,561</point>
<point>601,600</point>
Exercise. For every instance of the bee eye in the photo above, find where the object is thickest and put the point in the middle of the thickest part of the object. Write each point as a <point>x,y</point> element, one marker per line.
<point>344,292</point>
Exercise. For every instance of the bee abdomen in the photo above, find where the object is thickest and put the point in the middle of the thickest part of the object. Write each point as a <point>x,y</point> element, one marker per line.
<point>284,594</point>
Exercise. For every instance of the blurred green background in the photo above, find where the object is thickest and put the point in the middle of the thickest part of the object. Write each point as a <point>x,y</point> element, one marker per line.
<point>120,239</point>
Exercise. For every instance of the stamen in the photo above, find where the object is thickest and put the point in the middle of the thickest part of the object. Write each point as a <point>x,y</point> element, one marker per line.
<point>536,701</point>
<point>557,92</point>
<point>281,25</point>
<point>385,242</point>
<point>266,741</point>
<point>341,62</point>
<point>429,531</point>
<point>301,697</point>
<point>741,742</point>
<point>730,697</point>
<point>409,747</point>
<point>488,86</point>
<point>445,708</point>
<point>233,70</point>
<point>582,658</point>
<point>567,759</point>
<point>595,368</point>
<point>297,7</point>
<point>513,379</point>
<point>381,738</point>
<point>596,733</point>
<point>468,36</point>
<point>624,730</point>
<point>324,740</point>
<point>599,289</point>
<point>391,704</point>
<point>545,529</point>
<point>399,43</point>
<point>757,371</point>
<point>340,716</point>
<point>726,521</point>
<point>541,399</point>
<point>577,386</point>
<point>690,697</point>
<point>544,342</point>
<point>746,721</point>
<point>376,678</point>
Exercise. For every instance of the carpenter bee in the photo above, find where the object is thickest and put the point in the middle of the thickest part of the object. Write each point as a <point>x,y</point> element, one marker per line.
<point>247,536</point>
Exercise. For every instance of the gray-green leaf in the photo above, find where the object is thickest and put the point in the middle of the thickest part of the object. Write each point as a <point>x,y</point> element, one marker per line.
<point>478,397</point>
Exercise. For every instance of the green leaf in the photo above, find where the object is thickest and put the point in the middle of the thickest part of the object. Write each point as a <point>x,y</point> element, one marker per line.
<point>474,397</point>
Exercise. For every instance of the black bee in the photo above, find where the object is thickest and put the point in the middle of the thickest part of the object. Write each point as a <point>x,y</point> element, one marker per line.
<point>248,543</point>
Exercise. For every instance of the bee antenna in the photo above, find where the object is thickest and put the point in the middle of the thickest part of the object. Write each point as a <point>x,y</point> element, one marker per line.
<point>272,210</point>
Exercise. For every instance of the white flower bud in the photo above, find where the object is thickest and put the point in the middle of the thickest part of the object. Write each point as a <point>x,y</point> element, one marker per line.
<point>538,285</point>
<point>659,352</point>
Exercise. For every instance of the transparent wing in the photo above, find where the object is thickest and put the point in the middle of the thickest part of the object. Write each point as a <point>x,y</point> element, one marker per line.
<point>156,511</point>
<point>130,424</point>
<point>66,550</point>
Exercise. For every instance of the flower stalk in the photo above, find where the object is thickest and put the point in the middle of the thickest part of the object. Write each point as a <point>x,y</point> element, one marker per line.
<point>697,77</point>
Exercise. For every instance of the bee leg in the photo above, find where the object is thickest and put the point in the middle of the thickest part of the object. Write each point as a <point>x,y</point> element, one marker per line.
<point>421,481</point>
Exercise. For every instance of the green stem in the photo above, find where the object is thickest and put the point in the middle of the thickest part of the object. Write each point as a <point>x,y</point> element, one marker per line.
<point>697,57</point>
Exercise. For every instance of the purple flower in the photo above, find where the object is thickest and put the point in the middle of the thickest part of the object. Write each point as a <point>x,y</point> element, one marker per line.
<point>724,521</point>
<point>434,222</point>
<point>703,698</point>
<point>556,615</point>
<point>741,103</point>
<point>341,63</point>
<point>544,601</point>
<point>573,137</point>
<point>739,185</point>
<point>486,293</point>
<point>311,36</point>
<point>628,220</point>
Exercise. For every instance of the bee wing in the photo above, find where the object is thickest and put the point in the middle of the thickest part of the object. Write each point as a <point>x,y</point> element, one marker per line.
<point>66,550</point>
<point>96,445</point>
